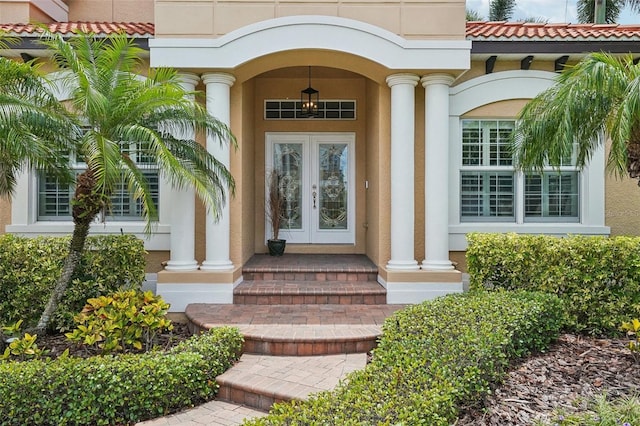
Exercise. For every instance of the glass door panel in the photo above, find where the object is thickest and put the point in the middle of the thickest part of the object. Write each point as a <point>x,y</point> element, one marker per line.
<point>317,173</point>
<point>289,162</point>
<point>333,193</point>
<point>332,183</point>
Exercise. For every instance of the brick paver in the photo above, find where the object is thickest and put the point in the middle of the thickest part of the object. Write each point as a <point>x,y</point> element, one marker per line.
<point>213,413</point>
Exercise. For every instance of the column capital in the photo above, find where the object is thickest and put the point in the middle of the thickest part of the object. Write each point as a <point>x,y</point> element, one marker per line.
<point>219,77</point>
<point>189,78</point>
<point>430,79</point>
<point>404,78</point>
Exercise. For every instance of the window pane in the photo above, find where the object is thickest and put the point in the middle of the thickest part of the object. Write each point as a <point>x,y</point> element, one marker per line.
<point>499,150</point>
<point>487,195</point>
<point>125,206</point>
<point>533,196</point>
<point>471,143</point>
<point>552,196</point>
<point>53,198</point>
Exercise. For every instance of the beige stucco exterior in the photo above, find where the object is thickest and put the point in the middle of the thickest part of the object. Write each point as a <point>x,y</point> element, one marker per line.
<point>111,10</point>
<point>25,11</point>
<point>416,19</point>
<point>5,213</point>
<point>622,205</point>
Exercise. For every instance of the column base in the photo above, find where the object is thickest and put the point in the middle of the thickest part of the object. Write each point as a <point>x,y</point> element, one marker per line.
<point>181,265</point>
<point>216,265</point>
<point>180,288</point>
<point>403,265</point>
<point>406,287</point>
<point>437,265</point>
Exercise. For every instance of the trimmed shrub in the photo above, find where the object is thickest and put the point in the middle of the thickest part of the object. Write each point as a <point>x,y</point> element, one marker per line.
<point>431,360</point>
<point>124,321</point>
<point>598,277</point>
<point>115,390</point>
<point>29,268</point>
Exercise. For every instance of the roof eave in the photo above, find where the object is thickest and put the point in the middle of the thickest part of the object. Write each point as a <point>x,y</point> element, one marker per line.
<point>497,47</point>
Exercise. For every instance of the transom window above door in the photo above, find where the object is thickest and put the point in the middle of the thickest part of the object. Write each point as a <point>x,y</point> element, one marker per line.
<point>328,109</point>
<point>491,190</point>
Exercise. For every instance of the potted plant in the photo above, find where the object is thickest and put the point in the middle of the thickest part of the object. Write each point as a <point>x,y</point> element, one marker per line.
<point>275,209</point>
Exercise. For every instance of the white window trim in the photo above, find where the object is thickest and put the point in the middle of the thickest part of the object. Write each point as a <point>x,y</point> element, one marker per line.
<point>24,207</point>
<point>495,87</point>
<point>24,217</point>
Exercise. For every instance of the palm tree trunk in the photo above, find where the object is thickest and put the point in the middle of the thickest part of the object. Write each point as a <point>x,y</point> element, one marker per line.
<point>600,12</point>
<point>87,204</point>
<point>76,247</point>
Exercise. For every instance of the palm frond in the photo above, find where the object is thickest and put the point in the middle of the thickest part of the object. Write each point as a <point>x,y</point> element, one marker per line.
<point>591,101</point>
<point>586,10</point>
<point>501,10</point>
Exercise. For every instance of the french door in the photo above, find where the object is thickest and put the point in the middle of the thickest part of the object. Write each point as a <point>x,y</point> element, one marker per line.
<point>317,180</point>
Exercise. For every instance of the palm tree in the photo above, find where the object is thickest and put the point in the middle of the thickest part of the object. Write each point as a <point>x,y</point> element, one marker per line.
<point>586,10</point>
<point>34,127</point>
<point>473,15</point>
<point>596,99</point>
<point>501,10</point>
<point>109,105</point>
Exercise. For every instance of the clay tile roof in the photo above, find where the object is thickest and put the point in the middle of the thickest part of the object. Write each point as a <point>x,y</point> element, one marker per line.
<point>134,29</point>
<point>521,31</point>
<point>476,30</point>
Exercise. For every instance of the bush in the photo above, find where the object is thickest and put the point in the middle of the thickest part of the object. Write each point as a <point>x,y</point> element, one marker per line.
<point>115,390</point>
<point>598,277</point>
<point>123,321</point>
<point>432,359</point>
<point>29,268</point>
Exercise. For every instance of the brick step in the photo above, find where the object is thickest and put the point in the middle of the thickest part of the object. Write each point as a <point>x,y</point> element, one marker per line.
<point>259,381</point>
<point>309,293</point>
<point>310,267</point>
<point>301,330</point>
<point>309,275</point>
<point>308,340</point>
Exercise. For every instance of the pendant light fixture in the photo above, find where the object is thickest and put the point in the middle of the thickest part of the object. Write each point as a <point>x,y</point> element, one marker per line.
<point>309,99</point>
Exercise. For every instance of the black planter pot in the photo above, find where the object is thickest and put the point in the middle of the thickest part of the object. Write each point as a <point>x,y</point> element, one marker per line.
<point>276,247</point>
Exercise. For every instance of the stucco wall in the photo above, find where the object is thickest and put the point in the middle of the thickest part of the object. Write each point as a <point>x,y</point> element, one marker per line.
<point>25,11</point>
<point>243,223</point>
<point>478,68</point>
<point>5,213</point>
<point>111,10</point>
<point>419,19</point>
<point>622,206</point>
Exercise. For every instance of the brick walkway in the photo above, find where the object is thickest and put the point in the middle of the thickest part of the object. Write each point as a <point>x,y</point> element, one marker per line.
<point>307,320</point>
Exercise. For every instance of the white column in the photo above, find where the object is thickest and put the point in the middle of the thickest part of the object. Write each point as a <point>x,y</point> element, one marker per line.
<point>402,170</point>
<point>183,210</point>
<point>436,186</point>
<point>218,233</point>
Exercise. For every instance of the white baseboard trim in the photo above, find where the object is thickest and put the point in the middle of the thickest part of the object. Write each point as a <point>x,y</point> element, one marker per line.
<point>408,293</point>
<point>180,295</point>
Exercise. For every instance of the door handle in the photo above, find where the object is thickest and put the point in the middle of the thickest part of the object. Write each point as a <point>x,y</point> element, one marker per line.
<point>314,194</point>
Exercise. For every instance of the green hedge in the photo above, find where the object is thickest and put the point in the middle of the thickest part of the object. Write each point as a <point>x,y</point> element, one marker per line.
<point>432,359</point>
<point>598,277</point>
<point>29,268</point>
<point>116,390</point>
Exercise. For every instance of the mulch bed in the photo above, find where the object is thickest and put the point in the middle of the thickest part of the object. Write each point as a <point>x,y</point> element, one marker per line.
<point>58,343</point>
<point>568,377</point>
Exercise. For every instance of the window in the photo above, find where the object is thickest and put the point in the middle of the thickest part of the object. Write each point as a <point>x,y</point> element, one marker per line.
<point>54,199</point>
<point>275,109</point>
<point>491,190</point>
